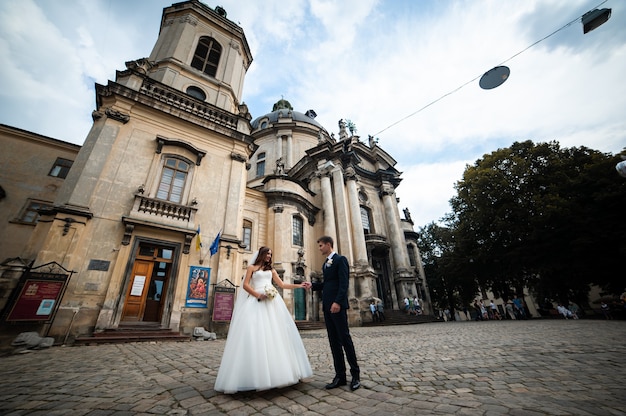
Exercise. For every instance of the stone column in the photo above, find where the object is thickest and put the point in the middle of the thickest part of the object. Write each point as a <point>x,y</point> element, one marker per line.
<point>358,237</point>
<point>343,244</point>
<point>279,146</point>
<point>236,194</point>
<point>396,236</point>
<point>289,161</point>
<point>327,206</point>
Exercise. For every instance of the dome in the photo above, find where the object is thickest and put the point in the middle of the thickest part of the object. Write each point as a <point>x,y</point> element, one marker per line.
<point>283,106</point>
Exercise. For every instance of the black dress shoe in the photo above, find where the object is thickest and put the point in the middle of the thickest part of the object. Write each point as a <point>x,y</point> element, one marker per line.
<point>355,384</point>
<point>337,381</point>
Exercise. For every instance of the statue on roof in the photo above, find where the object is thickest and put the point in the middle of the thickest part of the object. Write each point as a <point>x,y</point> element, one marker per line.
<point>282,104</point>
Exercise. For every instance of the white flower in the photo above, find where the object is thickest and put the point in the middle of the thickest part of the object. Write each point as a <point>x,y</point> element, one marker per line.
<point>270,291</point>
<point>329,262</point>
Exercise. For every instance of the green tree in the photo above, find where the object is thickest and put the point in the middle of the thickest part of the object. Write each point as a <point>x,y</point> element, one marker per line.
<point>451,286</point>
<point>539,216</point>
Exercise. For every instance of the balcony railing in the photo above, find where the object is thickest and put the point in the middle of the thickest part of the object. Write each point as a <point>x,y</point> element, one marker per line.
<point>164,209</point>
<point>163,212</point>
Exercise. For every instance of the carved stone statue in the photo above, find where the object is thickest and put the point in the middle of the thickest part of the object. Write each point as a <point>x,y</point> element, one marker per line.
<point>280,166</point>
<point>407,214</point>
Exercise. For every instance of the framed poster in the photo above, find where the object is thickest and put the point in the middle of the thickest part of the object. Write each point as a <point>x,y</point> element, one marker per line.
<point>223,304</point>
<point>36,300</point>
<point>198,287</point>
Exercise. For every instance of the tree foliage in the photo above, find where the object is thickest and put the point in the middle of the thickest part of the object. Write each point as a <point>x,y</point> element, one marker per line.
<point>538,216</point>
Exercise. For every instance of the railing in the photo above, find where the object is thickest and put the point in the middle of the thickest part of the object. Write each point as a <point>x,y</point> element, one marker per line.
<point>184,102</point>
<point>163,212</point>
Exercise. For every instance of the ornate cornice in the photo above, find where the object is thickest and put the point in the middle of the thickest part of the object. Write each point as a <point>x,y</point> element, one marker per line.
<point>117,115</point>
<point>171,101</point>
<point>386,189</point>
<point>238,157</point>
<point>350,174</point>
<point>162,141</point>
<point>279,199</point>
<point>67,209</point>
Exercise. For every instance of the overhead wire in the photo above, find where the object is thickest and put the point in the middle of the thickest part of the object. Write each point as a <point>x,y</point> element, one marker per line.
<point>475,78</point>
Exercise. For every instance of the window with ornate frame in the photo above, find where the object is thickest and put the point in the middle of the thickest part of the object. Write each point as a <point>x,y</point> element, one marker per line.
<point>30,212</point>
<point>207,56</point>
<point>173,179</point>
<point>196,92</point>
<point>366,220</point>
<point>297,231</point>
<point>260,165</point>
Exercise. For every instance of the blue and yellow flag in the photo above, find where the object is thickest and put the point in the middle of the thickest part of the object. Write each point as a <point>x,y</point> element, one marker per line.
<point>198,239</point>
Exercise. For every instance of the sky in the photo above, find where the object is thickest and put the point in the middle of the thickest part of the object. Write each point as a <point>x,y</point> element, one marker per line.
<point>404,71</point>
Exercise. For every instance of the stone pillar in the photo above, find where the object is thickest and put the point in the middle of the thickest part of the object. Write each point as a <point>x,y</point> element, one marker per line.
<point>236,194</point>
<point>279,146</point>
<point>327,206</point>
<point>343,244</point>
<point>281,237</point>
<point>289,161</point>
<point>396,236</point>
<point>358,237</point>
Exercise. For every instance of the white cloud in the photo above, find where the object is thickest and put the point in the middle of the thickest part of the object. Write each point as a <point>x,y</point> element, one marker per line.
<point>373,62</point>
<point>426,189</point>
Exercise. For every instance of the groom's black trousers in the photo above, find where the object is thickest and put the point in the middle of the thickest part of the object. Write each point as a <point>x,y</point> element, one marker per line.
<point>340,341</point>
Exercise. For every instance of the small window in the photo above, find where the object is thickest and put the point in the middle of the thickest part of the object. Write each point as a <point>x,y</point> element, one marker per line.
<point>412,257</point>
<point>365,220</point>
<point>196,92</point>
<point>298,231</point>
<point>61,168</point>
<point>247,235</point>
<point>260,164</point>
<point>30,213</point>
<point>207,56</point>
<point>173,179</point>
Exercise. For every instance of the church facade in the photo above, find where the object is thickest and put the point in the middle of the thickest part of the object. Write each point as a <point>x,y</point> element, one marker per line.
<point>176,176</point>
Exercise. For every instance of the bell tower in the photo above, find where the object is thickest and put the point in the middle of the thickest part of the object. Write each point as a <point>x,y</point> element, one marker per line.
<point>199,52</point>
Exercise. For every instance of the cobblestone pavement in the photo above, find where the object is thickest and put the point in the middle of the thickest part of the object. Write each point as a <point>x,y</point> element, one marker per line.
<point>537,367</point>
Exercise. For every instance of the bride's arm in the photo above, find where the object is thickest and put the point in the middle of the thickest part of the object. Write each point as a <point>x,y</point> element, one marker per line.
<point>248,288</point>
<point>284,285</point>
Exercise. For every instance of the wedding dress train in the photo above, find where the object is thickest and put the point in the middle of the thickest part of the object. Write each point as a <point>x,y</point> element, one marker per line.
<point>263,349</point>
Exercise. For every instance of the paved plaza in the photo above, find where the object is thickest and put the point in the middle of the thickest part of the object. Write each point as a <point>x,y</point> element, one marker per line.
<point>536,367</point>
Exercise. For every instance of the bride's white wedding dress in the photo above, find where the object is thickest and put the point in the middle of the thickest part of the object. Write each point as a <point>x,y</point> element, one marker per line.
<point>263,349</point>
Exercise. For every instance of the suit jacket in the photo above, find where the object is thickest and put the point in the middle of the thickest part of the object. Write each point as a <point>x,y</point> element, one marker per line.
<point>334,287</point>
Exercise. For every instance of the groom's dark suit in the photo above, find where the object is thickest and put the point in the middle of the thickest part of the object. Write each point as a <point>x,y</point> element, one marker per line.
<point>334,288</point>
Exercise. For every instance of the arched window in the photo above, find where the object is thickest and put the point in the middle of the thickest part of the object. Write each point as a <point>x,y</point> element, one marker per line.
<point>260,165</point>
<point>173,179</point>
<point>366,220</point>
<point>196,92</point>
<point>297,231</point>
<point>207,56</point>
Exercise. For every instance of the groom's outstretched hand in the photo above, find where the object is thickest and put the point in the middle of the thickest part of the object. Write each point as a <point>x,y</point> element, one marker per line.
<point>306,285</point>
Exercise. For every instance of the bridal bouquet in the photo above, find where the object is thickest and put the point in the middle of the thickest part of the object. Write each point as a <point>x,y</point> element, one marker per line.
<point>270,291</point>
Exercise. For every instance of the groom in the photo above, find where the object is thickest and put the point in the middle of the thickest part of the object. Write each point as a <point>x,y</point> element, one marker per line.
<point>334,289</point>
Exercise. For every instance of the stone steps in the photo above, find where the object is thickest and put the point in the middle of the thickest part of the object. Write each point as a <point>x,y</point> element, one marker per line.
<point>394,317</point>
<point>138,332</point>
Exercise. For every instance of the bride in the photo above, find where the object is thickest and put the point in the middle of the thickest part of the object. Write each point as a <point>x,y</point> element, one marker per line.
<point>263,349</point>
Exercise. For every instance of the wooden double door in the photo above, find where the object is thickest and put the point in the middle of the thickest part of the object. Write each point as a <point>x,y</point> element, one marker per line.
<point>147,289</point>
